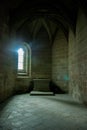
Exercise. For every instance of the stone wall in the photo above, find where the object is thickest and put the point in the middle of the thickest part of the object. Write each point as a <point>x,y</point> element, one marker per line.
<point>41,56</point>
<point>73,67</point>
<point>22,85</point>
<point>60,61</point>
<point>78,59</point>
<point>7,78</point>
<point>40,61</point>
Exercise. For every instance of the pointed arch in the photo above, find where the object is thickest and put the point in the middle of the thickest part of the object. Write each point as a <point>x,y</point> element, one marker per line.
<point>41,22</point>
<point>24,60</point>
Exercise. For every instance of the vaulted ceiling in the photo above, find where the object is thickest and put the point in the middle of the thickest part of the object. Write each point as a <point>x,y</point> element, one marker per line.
<point>30,16</point>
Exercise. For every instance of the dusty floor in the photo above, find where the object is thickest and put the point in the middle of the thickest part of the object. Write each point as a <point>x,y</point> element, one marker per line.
<point>59,112</point>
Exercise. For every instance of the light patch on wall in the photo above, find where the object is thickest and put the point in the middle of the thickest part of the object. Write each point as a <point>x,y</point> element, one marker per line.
<point>66,77</point>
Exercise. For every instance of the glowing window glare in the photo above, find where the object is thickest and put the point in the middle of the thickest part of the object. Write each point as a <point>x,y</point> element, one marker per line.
<point>20,59</point>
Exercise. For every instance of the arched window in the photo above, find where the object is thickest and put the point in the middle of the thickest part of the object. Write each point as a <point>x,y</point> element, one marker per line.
<point>24,60</point>
<point>20,59</point>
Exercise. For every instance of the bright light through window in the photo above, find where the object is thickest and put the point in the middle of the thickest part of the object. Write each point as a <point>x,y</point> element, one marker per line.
<point>20,59</point>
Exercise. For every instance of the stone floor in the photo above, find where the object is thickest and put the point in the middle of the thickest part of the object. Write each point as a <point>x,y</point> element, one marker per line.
<point>59,112</point>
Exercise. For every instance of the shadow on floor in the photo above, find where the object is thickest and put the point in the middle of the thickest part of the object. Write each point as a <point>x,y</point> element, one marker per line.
<point>5,103</point>
<point>67,102</point>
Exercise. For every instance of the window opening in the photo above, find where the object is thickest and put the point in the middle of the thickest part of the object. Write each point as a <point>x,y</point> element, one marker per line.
<point>20,59</point>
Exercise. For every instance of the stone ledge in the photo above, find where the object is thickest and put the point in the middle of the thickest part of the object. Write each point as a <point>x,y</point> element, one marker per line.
<point>41,93</point>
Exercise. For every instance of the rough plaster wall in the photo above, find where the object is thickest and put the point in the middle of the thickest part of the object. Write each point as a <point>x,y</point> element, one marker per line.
<point>60,61</point>
<point>6,62</point>
<point>41,56</point>
<point>78,59</point>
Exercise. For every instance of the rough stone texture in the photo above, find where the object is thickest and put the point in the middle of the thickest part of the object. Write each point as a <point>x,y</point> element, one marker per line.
<point>60,61</point>
<point>73,67</point>
<point>22,85</point>
<point>41,85</point>
<point>77,59</point>
<point>25,112</point>
<point>46,61</point>
<point>6,59</point>
<point>81,41</point>
<point>41,56</point>
<point>7,79</point>
<point>40,62</point>
<point>22,81</point>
